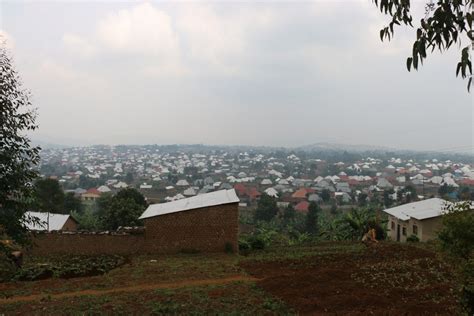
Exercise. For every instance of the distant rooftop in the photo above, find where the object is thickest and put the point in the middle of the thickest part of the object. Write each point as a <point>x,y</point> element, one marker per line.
<point>56,221</point>
<point>199,201</point>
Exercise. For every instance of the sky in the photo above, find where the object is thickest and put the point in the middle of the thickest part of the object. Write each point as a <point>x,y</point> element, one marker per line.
<point>232,73</point>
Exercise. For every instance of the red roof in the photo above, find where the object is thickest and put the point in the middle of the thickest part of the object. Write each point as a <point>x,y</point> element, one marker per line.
<point>240,188</point>
<point>301,193</point>
<point>302,207</point>
<point>253,193</point>
<point>243,191</point>
<point>93,191</point>
<point>467,181</point>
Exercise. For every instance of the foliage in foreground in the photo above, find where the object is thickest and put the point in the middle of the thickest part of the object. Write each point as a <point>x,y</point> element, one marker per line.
<point>68,267</point>
<point>444,24</point>
<point>17,157</point>
<point>457,239</point>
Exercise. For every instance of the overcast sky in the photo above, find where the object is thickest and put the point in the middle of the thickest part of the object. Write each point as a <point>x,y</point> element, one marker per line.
<point>283,74</point>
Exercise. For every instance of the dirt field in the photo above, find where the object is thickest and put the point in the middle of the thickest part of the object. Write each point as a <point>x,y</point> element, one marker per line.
<point>318,279</point>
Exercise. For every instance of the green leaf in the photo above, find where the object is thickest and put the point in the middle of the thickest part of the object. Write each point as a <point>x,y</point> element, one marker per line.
<point>409,61</point>
<point>458,68</point>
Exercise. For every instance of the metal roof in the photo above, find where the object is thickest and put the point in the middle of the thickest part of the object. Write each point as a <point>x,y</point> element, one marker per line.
<point>419,210</point>
<point>56,221</point>
<point>202,200</point>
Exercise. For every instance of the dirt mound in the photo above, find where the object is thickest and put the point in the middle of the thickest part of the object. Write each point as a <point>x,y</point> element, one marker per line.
<point>361,283</point>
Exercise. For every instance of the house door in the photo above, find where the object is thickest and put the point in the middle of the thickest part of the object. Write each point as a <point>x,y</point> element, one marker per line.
<point>398,232</point>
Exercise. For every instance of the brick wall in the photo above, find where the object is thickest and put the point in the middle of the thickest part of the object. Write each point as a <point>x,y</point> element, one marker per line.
<point>70,225</point>
<point>85,244</point>
<point>205,229</point>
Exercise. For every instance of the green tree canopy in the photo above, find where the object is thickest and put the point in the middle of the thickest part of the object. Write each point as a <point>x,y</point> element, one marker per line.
<point>123,209</point>
<point>49,196</point>
<point>311,222</point>
<point>446,22</point>
<point>72,203</point>
<point>133,194</point>
<point>266,208</point>
<point>18,158</point>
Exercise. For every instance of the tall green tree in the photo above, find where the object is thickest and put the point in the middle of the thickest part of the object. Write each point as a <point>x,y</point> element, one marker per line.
<point>311,222</point>
<point>266,208</point>
<point>325,195</point>
<point>123,209</point>
<point>289,214</point>
<point>72,203</point>
<point>49,196</point>
<point>18,158</point>
<point>446,23</point>
<point>131,193</point>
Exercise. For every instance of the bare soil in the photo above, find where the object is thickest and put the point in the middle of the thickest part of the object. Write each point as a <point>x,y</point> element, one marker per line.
<point>386,279</point>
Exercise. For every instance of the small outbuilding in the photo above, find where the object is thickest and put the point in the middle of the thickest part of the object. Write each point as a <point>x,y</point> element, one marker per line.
<point>43,221</point>
<point>206,222</point>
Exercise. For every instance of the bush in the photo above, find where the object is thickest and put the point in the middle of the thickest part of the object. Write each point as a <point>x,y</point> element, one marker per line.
<point>413,238</point>
<point>457,238</point>
<point>244,246</point>
<point>7,268</point>
<point>457,235</point>
<point>68,267</point>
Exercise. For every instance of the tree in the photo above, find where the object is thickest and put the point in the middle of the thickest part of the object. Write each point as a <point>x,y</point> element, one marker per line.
<point>362,199</point>
<point>325,195</point>
<point>358,222</point>
<point>289,214</point>
<point>457,235</point>
<point>49,196</point>
<point>130,193</point>
<point>72,203</point>
<point>311,222</point>
<point>123,209</point>
<point>387,197</point>
<point>122,212</point>
<point>18,158</point>
<point>266,208</point>
<point>457,238</point>
<point>445,23</point>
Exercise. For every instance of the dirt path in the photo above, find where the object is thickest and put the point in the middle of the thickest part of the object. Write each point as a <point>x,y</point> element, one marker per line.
<point>135,288</point>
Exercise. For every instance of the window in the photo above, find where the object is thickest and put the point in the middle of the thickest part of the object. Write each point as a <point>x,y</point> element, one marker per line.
<point>415,230</point>
<point>393,225</point>
<point>404,231</point>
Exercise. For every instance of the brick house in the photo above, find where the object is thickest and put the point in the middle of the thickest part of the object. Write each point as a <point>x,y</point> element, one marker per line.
<point>91,195</point>
<point>206,222</point>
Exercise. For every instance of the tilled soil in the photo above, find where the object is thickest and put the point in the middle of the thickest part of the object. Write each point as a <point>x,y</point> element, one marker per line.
<point>385,279</point>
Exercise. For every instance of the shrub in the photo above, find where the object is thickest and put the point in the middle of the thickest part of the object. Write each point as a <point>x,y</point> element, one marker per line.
<point>68,267</point>
<point>256,242</point>
<point>7,268</point>
<point>244,245</point>
<point>413,238</point>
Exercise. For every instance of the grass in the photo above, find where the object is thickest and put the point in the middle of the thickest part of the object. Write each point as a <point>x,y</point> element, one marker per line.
<point>235,298</point>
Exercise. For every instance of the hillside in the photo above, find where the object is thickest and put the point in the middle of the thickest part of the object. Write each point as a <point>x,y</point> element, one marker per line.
<point>323,279</point>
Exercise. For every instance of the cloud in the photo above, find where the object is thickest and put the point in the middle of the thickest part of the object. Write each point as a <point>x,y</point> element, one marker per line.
<point>6,39</point>
<point>79,45</point>
<point>141,33</point>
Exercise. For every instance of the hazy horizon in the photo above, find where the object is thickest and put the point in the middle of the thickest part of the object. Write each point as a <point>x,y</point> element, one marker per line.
<point>220,73</point>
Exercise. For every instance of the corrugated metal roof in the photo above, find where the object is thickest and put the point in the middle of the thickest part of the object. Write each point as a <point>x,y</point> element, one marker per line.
<point>56,221</point>
<point>419,210</point>
<point>202,200</point>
